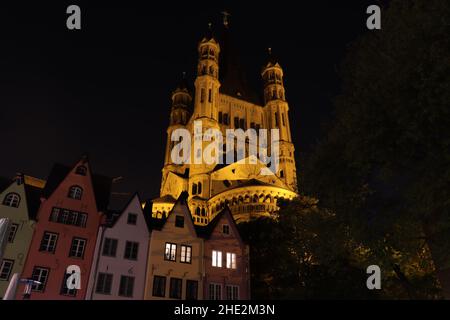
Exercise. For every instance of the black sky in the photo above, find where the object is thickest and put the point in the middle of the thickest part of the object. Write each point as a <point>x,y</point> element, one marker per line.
<point>105,90</point>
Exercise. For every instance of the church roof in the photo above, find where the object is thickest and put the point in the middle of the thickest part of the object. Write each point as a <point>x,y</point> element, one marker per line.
<point>234,81</point>
<point>165,199</point>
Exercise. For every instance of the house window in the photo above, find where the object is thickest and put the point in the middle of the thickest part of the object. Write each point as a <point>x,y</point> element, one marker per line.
<point>5,269</point>
<point>131,250</point>
<point>66,291</point>
<point>40,274</point>
<point>231,260</point>
<point>110,247</point>
<point>12,232</point>
<point>232,292</point>
<point>75,192</point>
<point>175,288</point>
<point>217,259</point>
<point>215,291</point>
<point>170,252</point>
<point>179,221</point>
<point>159,286</point>
<point>12,200</point>
<point>81,170</point>
<point>186,254</point>
<point>132,218</point>
<point>104,283</point>
<point>68,217</point>
<point>191,290</point>
<point>48,242</point>
<point>77,248</point>
<point>226,229</point>
<point>126,286</point>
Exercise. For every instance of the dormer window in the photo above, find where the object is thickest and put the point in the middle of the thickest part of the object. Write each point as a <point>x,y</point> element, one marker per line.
<point>75,192</point>
<point>81,170</point>
<point>132,218</point>
<point>12,200</point>
<point>226,229</point>
<point>179,221</point>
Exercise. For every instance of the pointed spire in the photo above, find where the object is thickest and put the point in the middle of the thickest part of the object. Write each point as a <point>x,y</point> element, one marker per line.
<point>226,16</point>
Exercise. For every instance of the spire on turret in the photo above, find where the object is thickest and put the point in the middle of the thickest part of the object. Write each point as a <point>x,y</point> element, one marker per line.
<point>272,75</point>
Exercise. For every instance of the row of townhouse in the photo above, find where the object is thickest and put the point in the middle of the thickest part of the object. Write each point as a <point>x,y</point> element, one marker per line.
<point>126,254</point>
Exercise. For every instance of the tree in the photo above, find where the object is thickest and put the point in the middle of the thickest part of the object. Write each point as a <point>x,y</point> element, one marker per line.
<point>384,166</point>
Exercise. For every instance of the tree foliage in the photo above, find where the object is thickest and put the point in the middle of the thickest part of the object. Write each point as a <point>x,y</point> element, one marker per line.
<point>381,174</point>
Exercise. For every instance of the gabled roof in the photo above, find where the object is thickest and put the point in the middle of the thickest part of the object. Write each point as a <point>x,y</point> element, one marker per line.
<point>152,223</point>
<point>206,231</point>
<point>165,199</point>
<point>112,216</point>
<point>101,185</point>
<point>33,195</point>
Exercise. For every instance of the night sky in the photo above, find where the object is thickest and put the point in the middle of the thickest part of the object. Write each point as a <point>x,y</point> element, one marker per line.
<point>105,90</point>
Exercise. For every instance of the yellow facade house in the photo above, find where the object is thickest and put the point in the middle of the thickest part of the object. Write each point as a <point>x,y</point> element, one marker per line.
<point>19,202</point>
<point>175,259</point>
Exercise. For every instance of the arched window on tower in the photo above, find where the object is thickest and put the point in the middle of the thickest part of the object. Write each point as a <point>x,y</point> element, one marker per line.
<point>281,174</point>
<point>194,188</point>
<point>203,212</point>
<point>12,200</point>
<point>199,188</point>
<point>197,211</point>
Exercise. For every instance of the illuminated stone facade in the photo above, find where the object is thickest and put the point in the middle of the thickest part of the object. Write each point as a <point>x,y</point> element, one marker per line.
<point>220,104</point>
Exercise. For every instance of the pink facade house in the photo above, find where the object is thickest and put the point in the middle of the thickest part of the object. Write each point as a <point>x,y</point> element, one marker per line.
<point>226,259</point>
<point>72,205</point>
<point>120,259</point>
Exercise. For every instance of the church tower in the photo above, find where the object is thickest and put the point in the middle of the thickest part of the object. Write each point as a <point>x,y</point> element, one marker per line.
<point>225,102</point>
<point>277,110</point>
<point>206,103</point>
<point>179,117</point>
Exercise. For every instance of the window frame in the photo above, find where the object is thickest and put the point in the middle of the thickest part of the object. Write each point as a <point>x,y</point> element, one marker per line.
<point>168,258</point>
<point>132,244</point>
<point>121,292</point>
<point>2,267</point>
<point>106,277</point>
<point>135,217</point>
<point>163,280</point>
<point>188,296</point>
<point>43,285</point>
<point>49,240</point>
<point>84,247</point>
<point>73,194</point>
<point>12,232</point>
<point>14,202</point>
<point>179,293</point>
<point>179,221</point>
<point>216,258</point>
<point>113,241</point>
<point>186,247</point>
